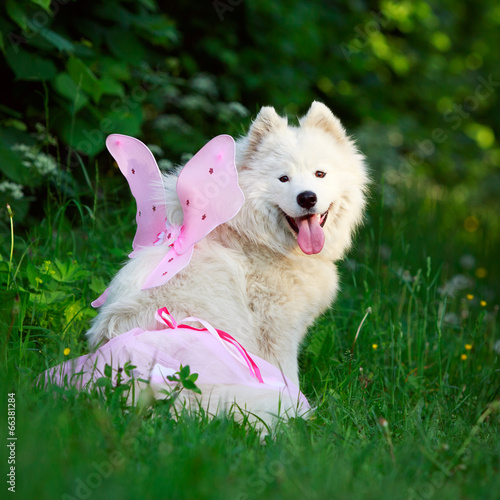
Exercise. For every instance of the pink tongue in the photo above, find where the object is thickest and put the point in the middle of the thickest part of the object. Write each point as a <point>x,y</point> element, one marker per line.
<point>311,238</point>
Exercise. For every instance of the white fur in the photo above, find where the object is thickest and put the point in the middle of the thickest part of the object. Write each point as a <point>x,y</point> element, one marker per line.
<point>249,277</point>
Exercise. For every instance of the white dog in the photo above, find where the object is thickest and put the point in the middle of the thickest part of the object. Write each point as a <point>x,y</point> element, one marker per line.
<point>265,275</point>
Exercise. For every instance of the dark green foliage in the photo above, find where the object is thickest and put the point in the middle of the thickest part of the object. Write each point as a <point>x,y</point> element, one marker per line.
<point>416,83</point>
<point>84,70</point>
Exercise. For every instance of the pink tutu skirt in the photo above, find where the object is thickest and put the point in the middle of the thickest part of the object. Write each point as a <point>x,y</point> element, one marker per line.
<point>228,376</point>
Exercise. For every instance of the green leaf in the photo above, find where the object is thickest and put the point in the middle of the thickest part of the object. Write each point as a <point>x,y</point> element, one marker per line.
<point>11,165</point>
<point>7,304</point>
<point>27,66</point>
<point>2,43</point>
<point>118,70</point>
<point>191,386</point>
<point>83,77</point>
<point>10,111</point>
<point>126,117</point>
<point>317,341</point>
<point>160,30</point>
<point>53,297</point>
<point>7,299</point>
<point>17,14</point>
<point>107,371</point>
<point>65,85</point>
<point>97,284</point>
<point>128,368</point>
<point>44,4</point>
<point>126,46</point>
<point>184,372</point>
<point>82,135</point>
<point>17,124</point>
<point>67,272</point>
<point>58,41</point>
<point>32,273</point>
<point>103,382</point>
<point>149,4</point>
<point>110,86</point>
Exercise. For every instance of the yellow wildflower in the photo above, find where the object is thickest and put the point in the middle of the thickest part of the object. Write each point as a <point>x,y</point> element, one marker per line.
<point>468,347</point>
<point>470,296</point>
<point>463,357</point>
<point>471,224</point>
<point>67,351</point>
<point>374,347</point>
<point>483,303</point>
<point>481,272</point>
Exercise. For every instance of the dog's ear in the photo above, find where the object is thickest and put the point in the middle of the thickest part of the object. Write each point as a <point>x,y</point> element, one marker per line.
<point>267,121</point>
<point>319,116</point>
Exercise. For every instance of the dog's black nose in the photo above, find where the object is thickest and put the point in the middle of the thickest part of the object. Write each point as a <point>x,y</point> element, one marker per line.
<point>307,199</point>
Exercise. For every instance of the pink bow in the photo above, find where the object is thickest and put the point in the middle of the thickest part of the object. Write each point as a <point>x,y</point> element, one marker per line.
<point>230,343</point>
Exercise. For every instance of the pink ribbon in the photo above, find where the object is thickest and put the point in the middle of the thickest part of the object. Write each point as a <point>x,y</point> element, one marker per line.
<point>241,354</point>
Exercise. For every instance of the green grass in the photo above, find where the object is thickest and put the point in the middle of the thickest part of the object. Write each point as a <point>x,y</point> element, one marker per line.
<point>399,413</point>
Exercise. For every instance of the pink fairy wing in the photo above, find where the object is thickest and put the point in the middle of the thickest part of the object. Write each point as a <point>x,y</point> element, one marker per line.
<point>168,267</point>
<point>101,299</point>
<point>208,190</point>
<point>139,167</point>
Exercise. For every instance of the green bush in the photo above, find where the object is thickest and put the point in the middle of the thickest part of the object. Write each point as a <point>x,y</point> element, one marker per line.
<point>84,70</point>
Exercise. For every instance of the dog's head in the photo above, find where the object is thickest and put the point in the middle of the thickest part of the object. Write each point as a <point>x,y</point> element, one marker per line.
<point>304,186</point>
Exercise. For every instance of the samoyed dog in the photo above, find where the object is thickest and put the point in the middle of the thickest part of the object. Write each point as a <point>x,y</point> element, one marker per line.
<point>268,273</point>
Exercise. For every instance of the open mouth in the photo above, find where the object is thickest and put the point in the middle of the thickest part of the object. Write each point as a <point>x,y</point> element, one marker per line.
<point>295,227</point>
<point>309,230</point>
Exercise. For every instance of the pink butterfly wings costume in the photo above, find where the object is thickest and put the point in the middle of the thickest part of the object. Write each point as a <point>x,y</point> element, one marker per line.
<point>207,188</point>
<point>208,191</point>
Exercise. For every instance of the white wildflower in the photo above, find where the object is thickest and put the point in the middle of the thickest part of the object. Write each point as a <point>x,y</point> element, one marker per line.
<point>238,109</point>
<point>15,191</point>
<point>404,275</point>
<point>196,103</point>
<point>22,148</point>
<point>232,110</point>
<point>45,164</point>
<point>204,84</point>
<point>385,251</point>
<point>467,261</point>
<point>43,135</point>
<point>32,158</point>
<point>185,157</point>
<point>455,285</point>
<point>451,318</point>
<point>496,347</point>
<point>156,150</point>
<point>168,122</point>
<point>165,164</point>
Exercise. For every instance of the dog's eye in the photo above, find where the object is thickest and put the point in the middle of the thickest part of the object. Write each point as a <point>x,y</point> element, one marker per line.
<point>320,174</point>
<point>284,178</point>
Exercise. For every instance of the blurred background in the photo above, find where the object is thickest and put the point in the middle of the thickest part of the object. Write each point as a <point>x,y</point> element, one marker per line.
<point>416,83</point>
